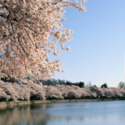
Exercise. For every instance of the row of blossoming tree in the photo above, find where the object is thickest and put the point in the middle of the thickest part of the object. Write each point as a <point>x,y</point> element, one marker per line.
<point>29,30</point>
<point>18,92</point>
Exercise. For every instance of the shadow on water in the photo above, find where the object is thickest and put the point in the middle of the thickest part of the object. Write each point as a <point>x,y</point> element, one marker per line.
<point>66,113</point>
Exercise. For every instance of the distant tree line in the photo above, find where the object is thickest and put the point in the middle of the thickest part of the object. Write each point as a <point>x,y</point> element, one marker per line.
<point>54,82</point>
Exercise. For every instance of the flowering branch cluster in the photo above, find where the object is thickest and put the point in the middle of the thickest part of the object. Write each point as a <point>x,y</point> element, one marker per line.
<point>29,30</point>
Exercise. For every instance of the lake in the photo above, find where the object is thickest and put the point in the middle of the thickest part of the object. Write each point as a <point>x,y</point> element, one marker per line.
<point>77,113</point>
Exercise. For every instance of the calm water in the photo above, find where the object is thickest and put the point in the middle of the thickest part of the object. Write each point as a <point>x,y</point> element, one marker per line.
<point>79,113</point>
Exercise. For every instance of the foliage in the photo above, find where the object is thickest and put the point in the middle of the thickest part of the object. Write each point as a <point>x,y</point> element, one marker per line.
<point>104,85</point>
<point>68,83</point>
<point>89,84</point>
<point>31,91</point>
<point>15,92</point>
<point>53,93</point>
<point>54,82</point>
<point>121,85</point>
<point>80,84</point>
<point>29,30</point>
<point>9,79</point>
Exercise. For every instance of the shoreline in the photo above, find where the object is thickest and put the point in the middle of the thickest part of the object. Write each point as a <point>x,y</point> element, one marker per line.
<point>12,104</point>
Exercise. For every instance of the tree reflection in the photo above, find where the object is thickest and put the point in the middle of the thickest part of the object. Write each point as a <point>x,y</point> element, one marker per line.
<point>65,113</point>
<point>20,116</point>
<point>30,115</point>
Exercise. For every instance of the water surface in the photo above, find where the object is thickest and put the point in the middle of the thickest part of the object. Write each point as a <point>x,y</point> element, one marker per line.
<point>77,113</point>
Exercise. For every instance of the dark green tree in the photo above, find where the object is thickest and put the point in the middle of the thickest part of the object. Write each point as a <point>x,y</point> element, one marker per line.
<point>68,83</point>
<point>9,79</point>
<point>81,84</point>
<point>104,85</point>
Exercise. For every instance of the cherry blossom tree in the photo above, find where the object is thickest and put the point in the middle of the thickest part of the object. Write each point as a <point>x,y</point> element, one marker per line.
<point>29,30</point>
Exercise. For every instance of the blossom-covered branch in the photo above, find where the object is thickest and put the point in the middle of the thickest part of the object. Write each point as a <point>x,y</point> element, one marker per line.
<point>29,30</point>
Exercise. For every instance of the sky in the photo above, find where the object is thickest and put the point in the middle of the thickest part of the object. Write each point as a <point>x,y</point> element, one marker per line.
<point>98,45</point>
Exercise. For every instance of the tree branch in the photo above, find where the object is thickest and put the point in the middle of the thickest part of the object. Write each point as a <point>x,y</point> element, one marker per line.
<point>29,37</point>
<point>21,45</point>
<point>30,28</point>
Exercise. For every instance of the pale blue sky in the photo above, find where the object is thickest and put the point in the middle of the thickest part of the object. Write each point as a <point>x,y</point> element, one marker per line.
<point>97,48</point>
